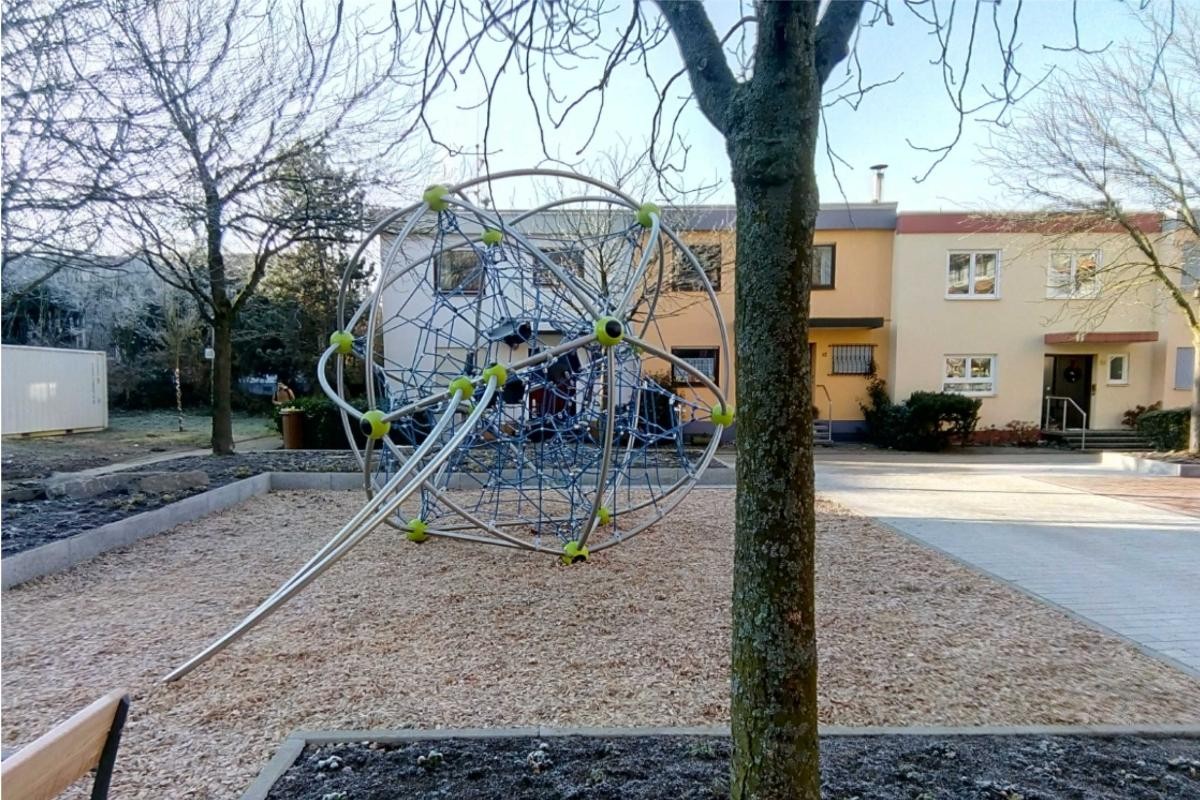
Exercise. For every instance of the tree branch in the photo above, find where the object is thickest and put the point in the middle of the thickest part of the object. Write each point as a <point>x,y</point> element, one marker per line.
<point>833,35</point>
<point>712,80</point>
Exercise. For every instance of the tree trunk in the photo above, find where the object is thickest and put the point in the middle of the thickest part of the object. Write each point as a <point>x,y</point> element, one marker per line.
<point>222,378</point>
<point>1194,431</point>
<point>772,144</point>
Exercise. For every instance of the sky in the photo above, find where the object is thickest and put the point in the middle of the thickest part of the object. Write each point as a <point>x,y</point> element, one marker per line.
<point>915,108</point>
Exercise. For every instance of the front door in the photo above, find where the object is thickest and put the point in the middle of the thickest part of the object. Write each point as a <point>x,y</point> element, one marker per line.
<point>1066,377</point>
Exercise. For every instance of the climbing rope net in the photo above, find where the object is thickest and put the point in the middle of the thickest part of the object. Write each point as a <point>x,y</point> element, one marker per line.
<point>519,389</point>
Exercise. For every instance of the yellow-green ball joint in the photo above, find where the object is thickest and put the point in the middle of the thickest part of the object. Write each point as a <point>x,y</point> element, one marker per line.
<point>643,214</point>
<point>498,371</point>
<point>374,425</point>
<point>573,553</point>
<point>343,341</point>
<point>609,331</point>
<point>723,415</point>
<point>492,237</point>
<point>462,384</point>
<point>417,530</point>
<point>436,197</point>
<point>603,515</point>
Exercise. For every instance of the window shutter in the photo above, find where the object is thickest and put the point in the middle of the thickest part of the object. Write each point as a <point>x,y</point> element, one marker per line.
<point>1184,364</point>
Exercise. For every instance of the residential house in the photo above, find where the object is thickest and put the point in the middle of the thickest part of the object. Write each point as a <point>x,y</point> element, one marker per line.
<point>1040,318</point>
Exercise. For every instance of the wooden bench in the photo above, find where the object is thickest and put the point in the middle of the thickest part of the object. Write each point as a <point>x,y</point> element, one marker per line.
<point>46,766</point>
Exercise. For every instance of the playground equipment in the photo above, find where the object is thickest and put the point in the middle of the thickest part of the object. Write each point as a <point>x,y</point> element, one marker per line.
<point>509,366</point>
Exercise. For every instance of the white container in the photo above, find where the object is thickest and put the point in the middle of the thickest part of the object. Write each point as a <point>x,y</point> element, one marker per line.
<point>50,390</point>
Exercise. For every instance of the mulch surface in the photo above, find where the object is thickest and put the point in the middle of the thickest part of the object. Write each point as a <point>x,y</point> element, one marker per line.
<point>697,768</point>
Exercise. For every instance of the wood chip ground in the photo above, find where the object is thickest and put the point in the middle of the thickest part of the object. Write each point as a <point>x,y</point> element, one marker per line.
<point>447,635</point>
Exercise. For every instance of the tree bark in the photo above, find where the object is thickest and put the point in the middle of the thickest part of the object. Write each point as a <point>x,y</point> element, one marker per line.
<point>772,146</point>
<point>222,366</point>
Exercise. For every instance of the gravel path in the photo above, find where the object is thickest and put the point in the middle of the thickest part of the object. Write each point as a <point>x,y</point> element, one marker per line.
<point>445,635</point>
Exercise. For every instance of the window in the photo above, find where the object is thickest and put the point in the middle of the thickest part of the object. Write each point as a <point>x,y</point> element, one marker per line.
<point>685,278</point>
<point>972,274</point>
<point>823,266</point>
<point>569,261</point>
<point>853,359</point>
<point>973,375</point>
<point>1118,369</point>
<point>703,359</point>
<point>1191,267</point>
<point>1185,366</point>
<point>459,271</point>
<point>1073,274</point>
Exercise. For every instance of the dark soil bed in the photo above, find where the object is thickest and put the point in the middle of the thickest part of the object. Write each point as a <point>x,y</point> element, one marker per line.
<point>696,768</point>
<point>36,522</point>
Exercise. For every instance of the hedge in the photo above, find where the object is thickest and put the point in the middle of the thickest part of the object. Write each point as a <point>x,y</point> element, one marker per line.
<point>1166,429</point>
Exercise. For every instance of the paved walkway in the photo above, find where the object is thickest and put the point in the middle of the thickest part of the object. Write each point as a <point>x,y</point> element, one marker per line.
<point>1123,565</point>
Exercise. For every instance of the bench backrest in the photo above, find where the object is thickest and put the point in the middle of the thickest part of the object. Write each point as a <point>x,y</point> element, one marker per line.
<point>46,766</point>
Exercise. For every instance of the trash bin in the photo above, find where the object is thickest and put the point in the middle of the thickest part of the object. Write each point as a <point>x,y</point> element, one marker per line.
<point>293,428</point>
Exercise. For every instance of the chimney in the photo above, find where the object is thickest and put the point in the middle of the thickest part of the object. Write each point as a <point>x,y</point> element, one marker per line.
<point>878,195</point>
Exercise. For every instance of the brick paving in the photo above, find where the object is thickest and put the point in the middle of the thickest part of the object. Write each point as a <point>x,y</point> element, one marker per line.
<point>1172,494</point>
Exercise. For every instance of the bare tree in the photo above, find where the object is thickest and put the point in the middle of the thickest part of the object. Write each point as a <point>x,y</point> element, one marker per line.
<point>1117,138</point>
<point>762,84</point>
<point>49,212</point>
<point>223,104</point>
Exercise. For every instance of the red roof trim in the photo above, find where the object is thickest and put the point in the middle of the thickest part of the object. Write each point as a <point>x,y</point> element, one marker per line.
<point>1147,221</point>
<point>1112,337</point>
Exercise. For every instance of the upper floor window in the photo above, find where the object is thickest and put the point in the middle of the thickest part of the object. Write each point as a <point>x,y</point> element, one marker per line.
<point>823,266</point>
<point>972,274</point>
<point>1191,267</point>
<point>569,261</point>
<point>1073,274</point>
<point>971,375</point>
<point>685,278</point>
<point>458,271</point>
<point>703,359</point>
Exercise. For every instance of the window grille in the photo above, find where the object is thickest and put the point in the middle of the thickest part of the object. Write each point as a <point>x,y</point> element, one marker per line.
<point>703,359</point>
<point>853,359</point>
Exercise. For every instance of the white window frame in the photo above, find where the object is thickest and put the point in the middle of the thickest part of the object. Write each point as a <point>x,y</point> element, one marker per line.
<point>1124,379</point>
<point>949,383</point>
<point>971,295</point>
<point>1054,292</point>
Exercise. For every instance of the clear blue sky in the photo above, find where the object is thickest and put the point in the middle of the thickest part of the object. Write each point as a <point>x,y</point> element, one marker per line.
<point>914,108</point>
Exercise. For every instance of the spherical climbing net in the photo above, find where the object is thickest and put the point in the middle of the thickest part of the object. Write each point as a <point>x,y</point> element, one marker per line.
<point>509,357</point>
<point>520,390</point>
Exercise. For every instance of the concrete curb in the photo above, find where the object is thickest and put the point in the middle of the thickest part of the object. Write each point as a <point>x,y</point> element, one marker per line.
<point>1149,466</point>
<point>291,748</point>
<point>61,555</point>
<point>65,553</point>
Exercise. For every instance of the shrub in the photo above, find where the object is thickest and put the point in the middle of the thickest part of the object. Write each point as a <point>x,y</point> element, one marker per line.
<point>1167,429</point>
<point>1131,417</point>
<point>927,421</point>
<point>323,428</point>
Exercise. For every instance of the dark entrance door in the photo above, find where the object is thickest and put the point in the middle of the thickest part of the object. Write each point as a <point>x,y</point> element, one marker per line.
<point>1070,377</point>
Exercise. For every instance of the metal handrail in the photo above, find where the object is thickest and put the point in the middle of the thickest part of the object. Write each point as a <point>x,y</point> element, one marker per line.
<point>829,407</point>
<point>1083,415</point>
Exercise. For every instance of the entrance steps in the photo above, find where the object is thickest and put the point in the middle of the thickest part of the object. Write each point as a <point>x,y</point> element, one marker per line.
<point>1099,439</point>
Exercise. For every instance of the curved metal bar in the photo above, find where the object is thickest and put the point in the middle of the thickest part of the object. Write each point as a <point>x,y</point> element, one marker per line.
<point>610,416</point>
<point>281,596</point>
<point>679,362</point>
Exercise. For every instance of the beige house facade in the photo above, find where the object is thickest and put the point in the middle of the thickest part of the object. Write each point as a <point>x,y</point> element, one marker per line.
<point>1045,324</point>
